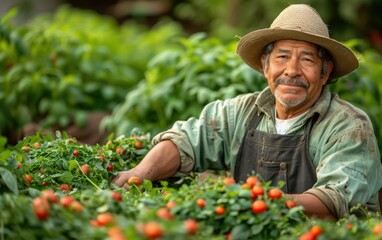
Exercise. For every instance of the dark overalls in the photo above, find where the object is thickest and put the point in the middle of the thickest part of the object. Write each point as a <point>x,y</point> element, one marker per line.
<point>276,157</point>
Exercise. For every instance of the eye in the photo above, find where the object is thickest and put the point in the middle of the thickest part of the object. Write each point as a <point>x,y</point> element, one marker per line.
<point>282,56</point>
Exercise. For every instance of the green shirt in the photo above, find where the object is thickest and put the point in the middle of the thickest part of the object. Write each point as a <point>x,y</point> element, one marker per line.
<point>342,145</point>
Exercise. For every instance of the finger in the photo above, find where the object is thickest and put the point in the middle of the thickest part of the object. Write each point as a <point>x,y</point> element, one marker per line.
<point>119,180</point>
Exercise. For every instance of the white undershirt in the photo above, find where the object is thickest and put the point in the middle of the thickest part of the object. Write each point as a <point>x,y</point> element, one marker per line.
<point>283,125</point>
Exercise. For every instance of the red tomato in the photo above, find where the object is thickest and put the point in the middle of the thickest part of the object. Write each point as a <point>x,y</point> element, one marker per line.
<point>257,190</point>
<point>28,178</point>
<point>102,158</point>
<point>19,165</point>
<point>110,167</point>
<point>252,181</point>
<point>36,144</point>
<point>219,210</point>
<point>49,195</point>
<point>275,193</point>
<point>377,230</point>
<point>259,206</point>
<point>66,201</point>
<point>116,196</point>
<point>76,153</point>
<point>120,151</point>
<point>104,219</point>
<point>307,236</point>
<point>76,206</point>
<point>201,202</point>
<point>316,230</point>
<point>164,213</point>
<point>85,169</point>
<point>228,181</point>
<point>171,204</point>
<point>290,204</point>
<point>41,212</point>
<point>191,226</point>
<point>134,181</point>
<point>138,144</point>
<point>153,230</point>
<point>64,187</point>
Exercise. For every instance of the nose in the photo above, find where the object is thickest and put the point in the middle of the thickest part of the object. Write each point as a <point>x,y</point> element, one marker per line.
<point>293,68</point>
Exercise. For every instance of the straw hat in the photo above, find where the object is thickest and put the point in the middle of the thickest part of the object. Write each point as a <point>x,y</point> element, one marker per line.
<point>298,22</point>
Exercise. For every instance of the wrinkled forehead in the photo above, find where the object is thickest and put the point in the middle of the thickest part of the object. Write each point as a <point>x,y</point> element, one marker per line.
<point>292,44</point>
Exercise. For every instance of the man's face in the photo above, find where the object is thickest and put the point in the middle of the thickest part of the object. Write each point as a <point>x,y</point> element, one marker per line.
<point>294,76</point>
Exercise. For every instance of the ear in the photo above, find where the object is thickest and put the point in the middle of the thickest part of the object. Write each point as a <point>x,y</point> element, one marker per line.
<point>328,72</point>
<point>263,63</point>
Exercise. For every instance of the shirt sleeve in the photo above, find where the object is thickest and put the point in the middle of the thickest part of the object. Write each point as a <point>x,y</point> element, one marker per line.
<point>349,171</point>
<point>203,143</point>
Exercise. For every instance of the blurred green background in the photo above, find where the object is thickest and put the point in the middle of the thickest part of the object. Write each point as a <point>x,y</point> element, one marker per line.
<point>95,68</point>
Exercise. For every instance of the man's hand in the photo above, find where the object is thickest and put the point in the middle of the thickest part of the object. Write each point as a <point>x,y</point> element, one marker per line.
<point>162,162</point>
<point>122,178</point>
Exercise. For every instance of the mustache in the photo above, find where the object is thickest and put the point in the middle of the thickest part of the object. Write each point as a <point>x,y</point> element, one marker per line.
<point>292,82</point>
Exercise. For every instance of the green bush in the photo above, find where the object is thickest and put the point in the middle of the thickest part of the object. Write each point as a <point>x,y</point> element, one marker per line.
<point>61,66</point>
<point>179,82</point>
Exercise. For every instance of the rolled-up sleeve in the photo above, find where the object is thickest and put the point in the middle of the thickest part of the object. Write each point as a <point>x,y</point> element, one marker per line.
<point>349,172</point>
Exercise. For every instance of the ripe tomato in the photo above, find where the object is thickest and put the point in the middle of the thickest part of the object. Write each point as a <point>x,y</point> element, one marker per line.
<point>164,213</point>
<point>116,196</point>
<point>377,230</point>
<point>102,158</point>
<point>228,181</point>
<point>219,210</point>
<point>76,206</point>
<point>49,195</point>
<point>66,201</point>
<point>191,226</point>
<point>316,230</point>
<point>110,167</point>
<point>28,178</point>
<point>134,181</point>
<point>201,202</point>
<point>259,206</point>
<point>275,193</point>
<point>257,190</point>
<point>120,151</point>
<point>307,236</point>
<point>85,169</point>
<point>290,204</point>
<point>171,204</point>
<point>64,187</point>
<point>76,153</point>
<point>41,212</point>
<point>104,219</point>
<point>19,165</point>
<point>40,208</point>
<point>138,144</point>
<point>252,181</point>
<point>36,144</point>
<point>153,230</point>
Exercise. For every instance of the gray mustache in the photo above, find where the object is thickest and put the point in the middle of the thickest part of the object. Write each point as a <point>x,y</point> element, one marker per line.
<point>292,82</point>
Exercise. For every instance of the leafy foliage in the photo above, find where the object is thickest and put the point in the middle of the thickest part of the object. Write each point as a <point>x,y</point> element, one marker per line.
<point>61,66</point>
<point>179,82</point>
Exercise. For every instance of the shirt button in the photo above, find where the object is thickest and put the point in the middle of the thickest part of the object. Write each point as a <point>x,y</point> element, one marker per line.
<point>283,166</point>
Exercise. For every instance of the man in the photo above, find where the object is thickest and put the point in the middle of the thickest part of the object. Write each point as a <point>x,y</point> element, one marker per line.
<point>295,130</point>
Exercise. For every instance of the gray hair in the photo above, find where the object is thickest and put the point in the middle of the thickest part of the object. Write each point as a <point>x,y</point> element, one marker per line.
<point>323,54</point>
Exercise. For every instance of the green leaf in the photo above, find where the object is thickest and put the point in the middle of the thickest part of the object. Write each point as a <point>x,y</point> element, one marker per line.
<point>240,232</point>
<point>66,177</point>
<point>9,180</point>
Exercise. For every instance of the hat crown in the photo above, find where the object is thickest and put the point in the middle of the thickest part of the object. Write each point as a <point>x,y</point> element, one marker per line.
<point>301,17</point>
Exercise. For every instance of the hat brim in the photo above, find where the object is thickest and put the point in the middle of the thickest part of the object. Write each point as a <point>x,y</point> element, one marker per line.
<point>250,48</point>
